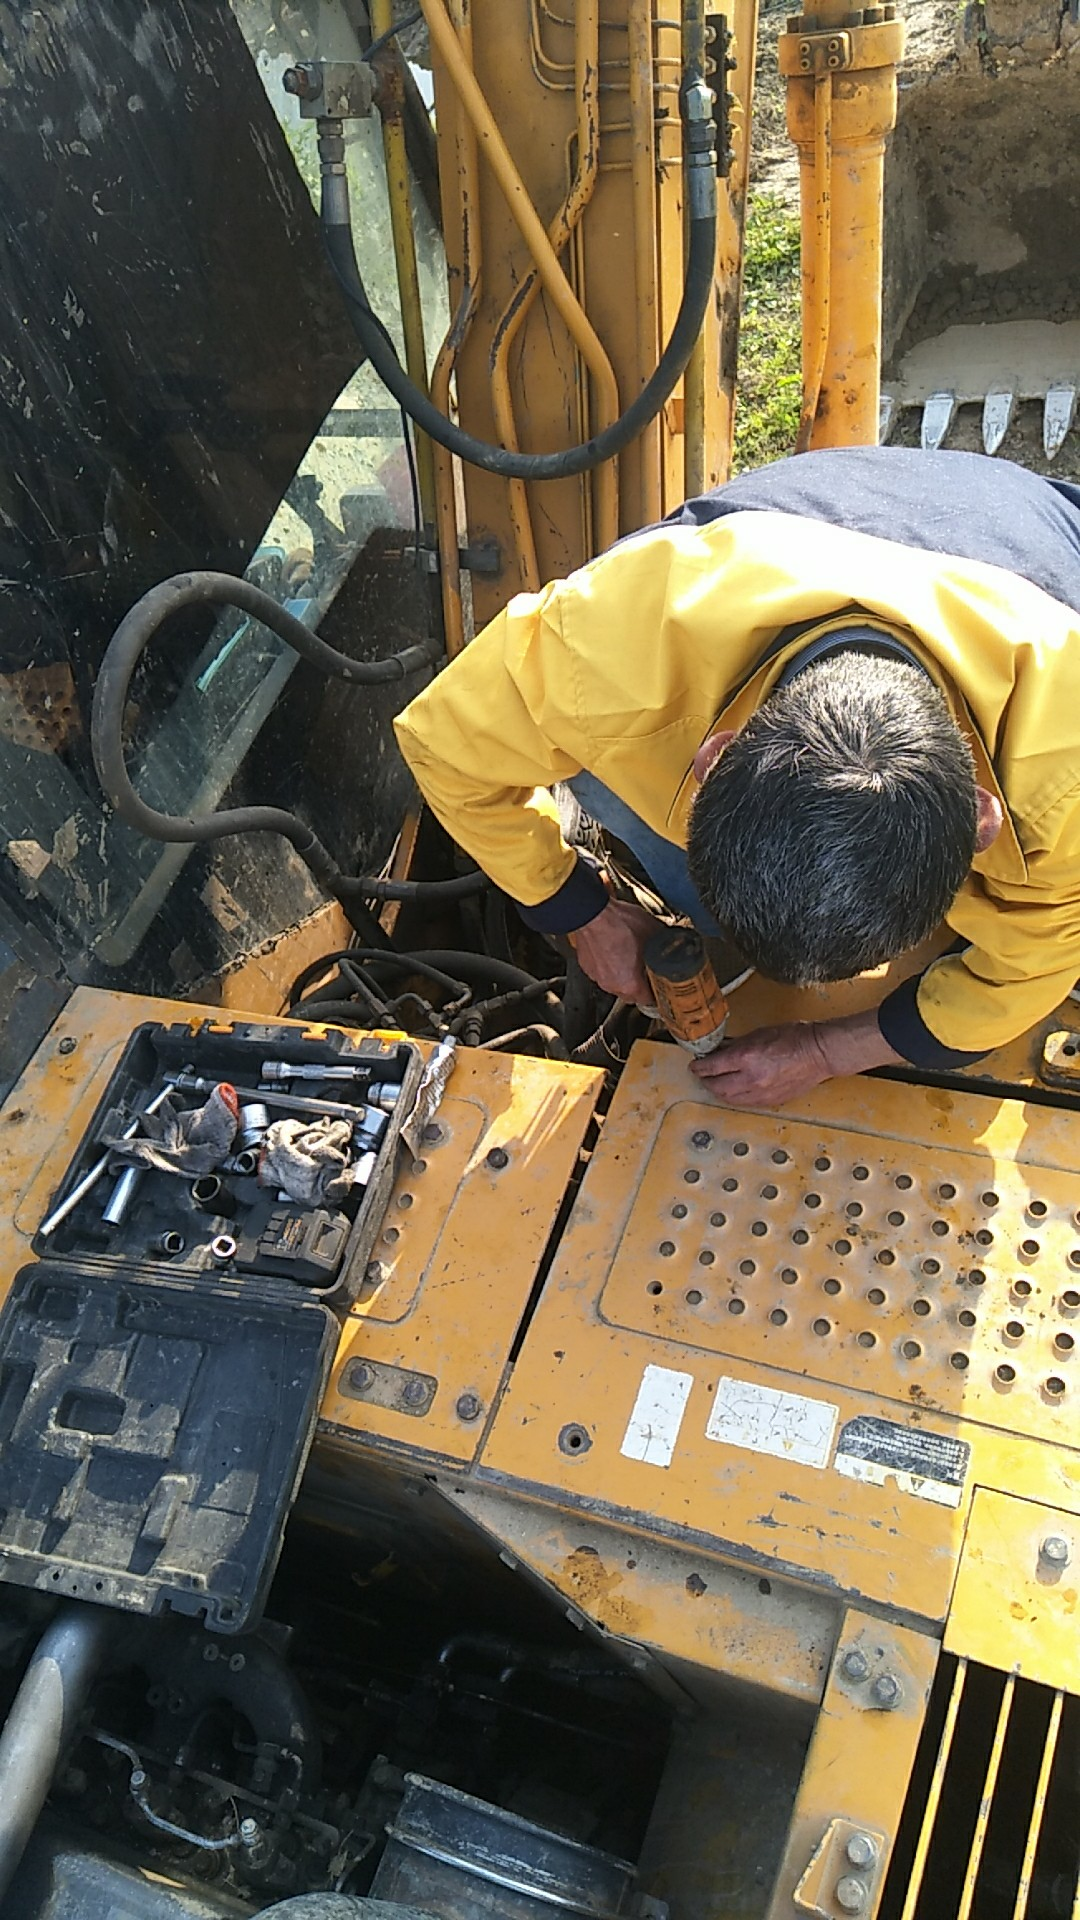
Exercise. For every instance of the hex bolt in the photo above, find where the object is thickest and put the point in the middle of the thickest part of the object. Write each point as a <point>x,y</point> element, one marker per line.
<point>855,1665</point>
<point>861,1850</point>
<point>1054,1551</point>
<point>432,1134</point>
<point>885,1691</point>
<point>702,1138</point>
<point>360,1376</point>
<point>414,1393</point>
<point>68,1044</point>
<point>850,1894</point>
<point>468,1407</point>
<point>497,1159</point>
<point>373,1272</point>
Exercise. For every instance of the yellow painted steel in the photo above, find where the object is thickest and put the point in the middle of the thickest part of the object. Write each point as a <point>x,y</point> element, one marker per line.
<point>859,1764</point>
<point>841,106</point>
<point>933,1796</point>
<point>1014,1608</point>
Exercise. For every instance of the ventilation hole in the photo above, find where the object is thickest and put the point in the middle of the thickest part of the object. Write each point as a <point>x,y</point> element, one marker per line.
<point>741,1149</point>
<point>822,1327</point>
<point>984,1237</point>
<point>769,1193</point>
<point>1014,1330</point>
<point>812,1199</point>
<point>800,1237</point>
<point>887,1257</point>
<point>691,1176</point>
<point>947,1191</point>
<point>1037,1209</point>
<point>667,1248</point>
<point>706,1258</point>
<point>959,1361</point>
<point>758,1228</point>
<point>830,1286</point>
<point>736,1306</point>
<point>693,1297</point>
<point>678,1211</point>
<point>989,1199</point>
<point>860,1173</point>
<point>747,1266</point>
<point>921,1307</point>
<point>718,1219</point>
<point>655,1286</point>
<point>822,1164</point>
<point>1029,1248</point>
<point>1063,1344</point>
<point>729,1185</point>
<point>903,1181</point>
<point>1074,1257</point>
<point>868,1339</point>
<point>931,1266</point>
<point>1005,1375</point>
<point>896,1219</point>
<point>876,1297</point>
<point>391,1235</point>
<point>853,1209</point>
<point>1055,1386</point>
<point>842,1246</point>
<point>966,1318</point>
<point>1070,1300</point>
<point>778,1317</point>
<point>1021,1289</point>
<point>789,1276</point>
<point>977,1277</point>
<point>780,1157</point>
<point>911,1349</point>
<point>939,1227</point>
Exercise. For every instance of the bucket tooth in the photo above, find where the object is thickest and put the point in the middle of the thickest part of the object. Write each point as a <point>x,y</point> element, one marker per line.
<point>1058,411</point>
<point>886,415</point>
<point>997,417</point>
<point>936,420</point>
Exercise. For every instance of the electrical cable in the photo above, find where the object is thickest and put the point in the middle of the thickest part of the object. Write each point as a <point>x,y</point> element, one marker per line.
<point>122,655</point>
<point>507,463</point>
<point>400,26</point>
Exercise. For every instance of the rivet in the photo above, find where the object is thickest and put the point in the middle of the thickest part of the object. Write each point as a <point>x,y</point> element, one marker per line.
<point>1054,1550</point>
<point>468,1407</point>
<point>885,1691</point>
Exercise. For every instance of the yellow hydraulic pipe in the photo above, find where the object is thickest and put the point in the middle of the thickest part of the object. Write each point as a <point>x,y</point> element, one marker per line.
<point>391,104</point>
<point>833,53</point>
<point>639,32</point>
<point>587,87</point>
<point>464,149</point>
<point>528,221</point>
<point>694,435</point>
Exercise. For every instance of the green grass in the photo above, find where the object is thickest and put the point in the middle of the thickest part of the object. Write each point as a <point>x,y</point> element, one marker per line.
<point>769,385</point>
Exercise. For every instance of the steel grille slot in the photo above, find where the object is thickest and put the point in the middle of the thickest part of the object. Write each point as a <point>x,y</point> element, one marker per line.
<point>991,1825</point>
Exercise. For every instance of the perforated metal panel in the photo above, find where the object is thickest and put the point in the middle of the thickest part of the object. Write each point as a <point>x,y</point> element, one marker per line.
<point>937,1277</point>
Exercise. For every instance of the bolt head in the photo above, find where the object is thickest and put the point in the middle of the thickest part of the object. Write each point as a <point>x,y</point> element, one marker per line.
<point>415,1393</point>
<point>468,1407</point>
<point>432,1134</point>
<point>886,1690</point>
<point>1055,1551</point>
<point>861,1850</point>
<point>67,1044</point>
<point>702,1138</point>
<point>850,1894</point>
<point>498,1158</point>
<point>249,1830</point>
<point>855,1665</point>
<point>373,1273</point>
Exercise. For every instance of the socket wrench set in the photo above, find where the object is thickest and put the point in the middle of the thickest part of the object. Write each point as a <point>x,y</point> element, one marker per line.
<point>163,1362</point>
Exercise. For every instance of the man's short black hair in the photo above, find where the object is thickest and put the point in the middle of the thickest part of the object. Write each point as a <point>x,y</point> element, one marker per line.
<point>836,828</point>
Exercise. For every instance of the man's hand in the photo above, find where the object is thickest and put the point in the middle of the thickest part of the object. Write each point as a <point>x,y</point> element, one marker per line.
<point>776,1064</point>
<point>609,950</point>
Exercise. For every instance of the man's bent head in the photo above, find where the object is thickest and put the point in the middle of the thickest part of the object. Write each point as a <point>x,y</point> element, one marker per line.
<point>835,830</point>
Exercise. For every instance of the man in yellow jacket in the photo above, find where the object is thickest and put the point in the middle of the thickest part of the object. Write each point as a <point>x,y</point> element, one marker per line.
<point>828,705</point>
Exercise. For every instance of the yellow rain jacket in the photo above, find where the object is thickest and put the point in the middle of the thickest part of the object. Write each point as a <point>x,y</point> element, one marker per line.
<point>623,670</point>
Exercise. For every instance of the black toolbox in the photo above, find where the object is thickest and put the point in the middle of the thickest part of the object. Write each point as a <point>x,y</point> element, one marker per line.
<point>160,1377</point>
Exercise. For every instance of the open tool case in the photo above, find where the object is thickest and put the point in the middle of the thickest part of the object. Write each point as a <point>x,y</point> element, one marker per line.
<point>157,1406</point>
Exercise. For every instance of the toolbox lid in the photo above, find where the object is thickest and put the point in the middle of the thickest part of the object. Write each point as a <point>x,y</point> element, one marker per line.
<point>152,1437</point>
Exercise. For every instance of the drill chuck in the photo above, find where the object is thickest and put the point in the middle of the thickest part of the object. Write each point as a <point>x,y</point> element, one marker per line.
<point>685,989</point>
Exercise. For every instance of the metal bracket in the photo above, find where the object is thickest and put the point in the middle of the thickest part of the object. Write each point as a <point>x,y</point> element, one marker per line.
<point>1060,1063</point>
<point>804,50</point>
<point>719,62</point>
<point>331,89</point>
<point>824,52</point>
<point>843,1872</point>
<point>385,1386</point>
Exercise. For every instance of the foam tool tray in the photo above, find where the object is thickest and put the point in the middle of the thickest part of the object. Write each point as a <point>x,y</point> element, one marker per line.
<point>165,1229</point>
<point>158,1399</point>
<point>152,1437</point>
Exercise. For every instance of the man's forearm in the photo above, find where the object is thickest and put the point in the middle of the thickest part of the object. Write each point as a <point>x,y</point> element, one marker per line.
<point>855,1043</point>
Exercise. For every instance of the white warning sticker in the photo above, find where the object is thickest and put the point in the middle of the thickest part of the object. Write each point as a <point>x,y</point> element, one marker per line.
<point>789,1425</point>
<point>653,1427</point>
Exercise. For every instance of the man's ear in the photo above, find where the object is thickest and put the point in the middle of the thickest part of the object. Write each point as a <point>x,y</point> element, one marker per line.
<point>989,820</point>
<point>710,751</point>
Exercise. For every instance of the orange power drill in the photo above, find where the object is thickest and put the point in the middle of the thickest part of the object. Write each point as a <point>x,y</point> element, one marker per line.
<point>687,993</point>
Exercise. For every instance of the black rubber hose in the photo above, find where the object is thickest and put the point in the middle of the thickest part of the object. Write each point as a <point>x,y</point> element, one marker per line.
<point>508,464</point>
<point>122,655</point>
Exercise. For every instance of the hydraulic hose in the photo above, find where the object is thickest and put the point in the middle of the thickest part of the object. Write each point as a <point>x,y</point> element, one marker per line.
<point>43,1718</point>
<point>122,655</point>
<point>507,463</point>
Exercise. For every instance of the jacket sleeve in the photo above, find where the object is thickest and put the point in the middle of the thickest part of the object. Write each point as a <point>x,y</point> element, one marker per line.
<point>1020,960</point>
<point>488,738</point>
